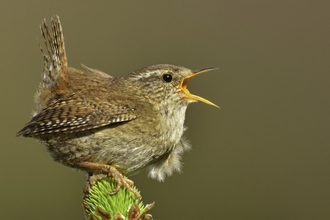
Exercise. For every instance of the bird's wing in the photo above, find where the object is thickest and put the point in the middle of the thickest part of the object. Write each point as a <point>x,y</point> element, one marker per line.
<point>69,116</point>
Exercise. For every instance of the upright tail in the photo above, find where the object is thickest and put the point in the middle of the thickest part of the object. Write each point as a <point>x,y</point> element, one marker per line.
<point>55,60</point>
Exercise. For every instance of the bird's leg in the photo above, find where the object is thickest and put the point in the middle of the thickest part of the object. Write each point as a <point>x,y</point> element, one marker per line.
<point>111,171</point>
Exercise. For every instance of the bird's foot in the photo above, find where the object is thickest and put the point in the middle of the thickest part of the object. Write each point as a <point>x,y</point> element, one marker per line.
<point>111,171</point>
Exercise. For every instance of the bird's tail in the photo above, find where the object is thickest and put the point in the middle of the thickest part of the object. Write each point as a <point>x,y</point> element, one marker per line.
<point>55,60</point>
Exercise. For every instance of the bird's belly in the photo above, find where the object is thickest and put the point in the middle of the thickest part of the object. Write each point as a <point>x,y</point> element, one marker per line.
<point>129,150</point>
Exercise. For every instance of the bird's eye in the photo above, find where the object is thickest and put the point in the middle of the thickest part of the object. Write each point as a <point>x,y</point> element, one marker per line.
<point>167,77</point>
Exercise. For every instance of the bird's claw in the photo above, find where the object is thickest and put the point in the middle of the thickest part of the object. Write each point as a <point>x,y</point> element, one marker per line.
<point>111,171</point>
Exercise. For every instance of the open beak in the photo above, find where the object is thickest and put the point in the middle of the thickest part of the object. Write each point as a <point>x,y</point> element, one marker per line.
<point>183,86</point>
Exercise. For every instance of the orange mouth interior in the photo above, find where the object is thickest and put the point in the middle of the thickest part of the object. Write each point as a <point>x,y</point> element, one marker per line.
<point>183,87</point>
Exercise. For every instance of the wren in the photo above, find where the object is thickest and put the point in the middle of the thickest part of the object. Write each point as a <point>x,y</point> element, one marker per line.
<point>107,125</point>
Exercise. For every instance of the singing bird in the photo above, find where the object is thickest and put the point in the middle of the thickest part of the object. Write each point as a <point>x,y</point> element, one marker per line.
<point>109,125</point>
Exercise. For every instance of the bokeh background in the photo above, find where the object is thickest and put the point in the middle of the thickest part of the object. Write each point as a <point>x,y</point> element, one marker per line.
<point>263,155</point>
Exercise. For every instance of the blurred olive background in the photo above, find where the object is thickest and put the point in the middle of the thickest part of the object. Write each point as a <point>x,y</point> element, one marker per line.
<point>263,155</point>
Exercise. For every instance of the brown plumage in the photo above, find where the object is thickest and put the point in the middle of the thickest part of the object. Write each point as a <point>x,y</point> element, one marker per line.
<point>130,122</point>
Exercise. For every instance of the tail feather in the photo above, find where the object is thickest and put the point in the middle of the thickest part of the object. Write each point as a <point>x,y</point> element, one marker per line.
<point>55,60</point>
